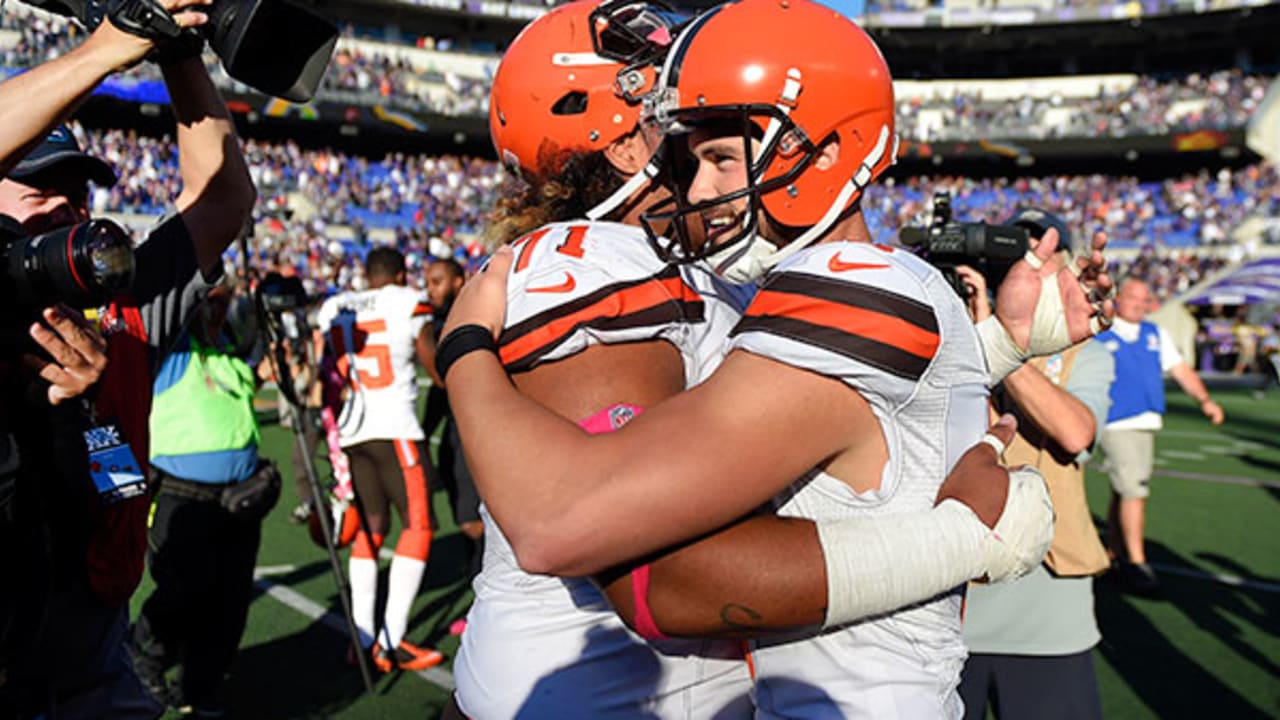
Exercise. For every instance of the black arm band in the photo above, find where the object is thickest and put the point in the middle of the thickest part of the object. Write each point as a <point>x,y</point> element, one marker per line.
<point>463,341</point>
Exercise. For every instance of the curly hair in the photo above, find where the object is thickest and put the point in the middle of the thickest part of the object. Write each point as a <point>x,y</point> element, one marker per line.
<point>584,181</point>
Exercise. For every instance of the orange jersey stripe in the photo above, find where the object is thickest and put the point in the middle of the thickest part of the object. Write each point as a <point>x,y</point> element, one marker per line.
<point>882,328</point>
<point>620,303</point>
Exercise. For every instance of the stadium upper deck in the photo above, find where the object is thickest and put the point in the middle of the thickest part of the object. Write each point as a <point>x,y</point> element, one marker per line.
<point>406,85</point>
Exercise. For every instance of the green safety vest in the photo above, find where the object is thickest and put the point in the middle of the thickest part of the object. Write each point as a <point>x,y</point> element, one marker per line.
<point>209,409</point>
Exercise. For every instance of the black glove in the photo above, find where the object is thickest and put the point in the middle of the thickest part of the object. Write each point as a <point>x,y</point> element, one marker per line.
<point>148,19</point>
<point>144,18</point>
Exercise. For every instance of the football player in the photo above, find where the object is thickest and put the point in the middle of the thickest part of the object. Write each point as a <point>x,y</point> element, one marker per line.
<point>595,320</point>
<point>855,369</point>
<point>445,278</point>
<point>371,335</point>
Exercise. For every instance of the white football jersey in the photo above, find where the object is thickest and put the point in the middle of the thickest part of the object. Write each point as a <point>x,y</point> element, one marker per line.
<point>888,325</point>
<point>372,334</point>
<point>544,647</point>
<point>576,284</point>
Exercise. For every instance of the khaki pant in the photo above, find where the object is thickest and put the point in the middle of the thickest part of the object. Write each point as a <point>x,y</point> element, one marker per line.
<point>1130,455</point>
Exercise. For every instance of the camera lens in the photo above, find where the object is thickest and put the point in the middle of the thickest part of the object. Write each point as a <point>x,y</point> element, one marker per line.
<point>107,254</point>
<point>82,265</point>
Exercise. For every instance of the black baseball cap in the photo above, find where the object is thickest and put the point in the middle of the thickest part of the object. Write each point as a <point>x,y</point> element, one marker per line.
<point>1038,222</point>
<point>61,148</point>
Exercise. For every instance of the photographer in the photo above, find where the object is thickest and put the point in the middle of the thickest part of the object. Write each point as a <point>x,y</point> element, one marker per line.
<point>1031,639</point>
<point>79,666</point>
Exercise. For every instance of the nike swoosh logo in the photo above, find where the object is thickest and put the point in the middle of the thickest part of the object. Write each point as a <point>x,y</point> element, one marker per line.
<point>838,265</point>
<point>567,286</point>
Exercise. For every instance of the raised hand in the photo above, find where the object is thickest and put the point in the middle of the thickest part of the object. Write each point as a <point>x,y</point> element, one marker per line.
<point>1048,302</point>
<point>125,49</point>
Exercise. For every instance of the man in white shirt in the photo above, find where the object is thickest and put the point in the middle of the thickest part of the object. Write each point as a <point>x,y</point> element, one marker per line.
<point>1143,352</point>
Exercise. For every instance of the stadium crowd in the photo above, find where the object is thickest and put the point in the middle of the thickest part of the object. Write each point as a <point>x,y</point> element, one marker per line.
<point>1214,101</point>
<point>369,74</point>
<point>379,77</point>
<point>435,206</point>
<point>1199,209</point>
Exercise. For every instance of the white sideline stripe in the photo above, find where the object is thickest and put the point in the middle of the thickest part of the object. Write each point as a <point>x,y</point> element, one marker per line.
<point>1220,437</point>
<point>297,601</point>
<point>268,570</point>
<point>1181,454</point>
<point>1232,580</point>
<point>1223,479</point>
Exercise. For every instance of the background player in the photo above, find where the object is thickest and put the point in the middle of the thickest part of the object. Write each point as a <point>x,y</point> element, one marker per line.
<point>445,278</point>
<point>371,335</point>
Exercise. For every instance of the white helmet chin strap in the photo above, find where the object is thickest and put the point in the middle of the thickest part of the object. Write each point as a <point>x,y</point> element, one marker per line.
<point>637,181</point>
<point>750,260</point>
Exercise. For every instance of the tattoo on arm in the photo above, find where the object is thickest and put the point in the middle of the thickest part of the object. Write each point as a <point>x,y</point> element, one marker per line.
<point>740,617</point>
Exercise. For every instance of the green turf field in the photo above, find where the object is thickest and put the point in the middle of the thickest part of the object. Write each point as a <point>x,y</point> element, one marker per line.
<point>1208,648</point>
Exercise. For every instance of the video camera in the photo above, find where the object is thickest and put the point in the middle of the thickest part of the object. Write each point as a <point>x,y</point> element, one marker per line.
<point>82,265</point>
<point>274,46</point>
<point>282,303</point>
<point>946,244</point>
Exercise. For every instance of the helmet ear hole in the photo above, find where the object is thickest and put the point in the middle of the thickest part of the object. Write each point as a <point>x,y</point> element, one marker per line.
<point>573,103</point>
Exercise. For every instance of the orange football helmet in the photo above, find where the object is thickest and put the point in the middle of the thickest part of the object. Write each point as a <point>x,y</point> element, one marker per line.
<point>833,84</point>
<point>572,81</point>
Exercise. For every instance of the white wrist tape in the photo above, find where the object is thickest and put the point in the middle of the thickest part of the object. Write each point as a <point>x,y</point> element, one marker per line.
<point>881,563</point>
<point>1024,532</point>
<point>1003,355</point>
<point>1049,333</point>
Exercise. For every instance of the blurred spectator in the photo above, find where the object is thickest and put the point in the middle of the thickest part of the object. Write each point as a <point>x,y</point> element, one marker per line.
<point>1143,353</point>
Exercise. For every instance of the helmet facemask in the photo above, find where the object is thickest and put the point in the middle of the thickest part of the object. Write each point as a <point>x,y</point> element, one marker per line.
<point>821,113</point>
<point>637,34</point>
<point>678,228</point>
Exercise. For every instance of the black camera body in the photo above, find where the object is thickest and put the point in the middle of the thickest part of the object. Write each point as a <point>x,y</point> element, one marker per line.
<point>279,293</point>
<point>283,300</point>
<point>275,46</point>
<point>282,303</point>
<point>947,244</point>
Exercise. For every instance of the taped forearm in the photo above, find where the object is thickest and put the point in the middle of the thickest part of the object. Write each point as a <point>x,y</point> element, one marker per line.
<point>879,564</point>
